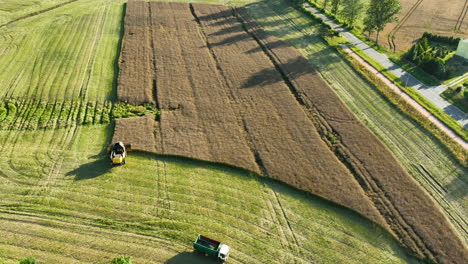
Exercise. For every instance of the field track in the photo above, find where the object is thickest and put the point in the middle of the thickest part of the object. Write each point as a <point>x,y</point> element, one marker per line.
<point>461,17</point>
<point>391,35</point>
<point>182,129</point>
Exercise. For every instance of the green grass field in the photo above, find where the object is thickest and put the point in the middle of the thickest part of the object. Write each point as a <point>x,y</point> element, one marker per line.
<point>62,203</point>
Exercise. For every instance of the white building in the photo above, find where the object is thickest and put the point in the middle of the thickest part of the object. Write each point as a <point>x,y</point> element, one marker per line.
<point>462,49</point>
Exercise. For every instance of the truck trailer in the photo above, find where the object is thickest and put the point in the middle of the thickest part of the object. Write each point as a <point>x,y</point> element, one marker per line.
<point>211,247</point>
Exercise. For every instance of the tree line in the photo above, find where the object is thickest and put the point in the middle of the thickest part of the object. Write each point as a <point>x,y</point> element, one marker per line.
<point>378,13</point>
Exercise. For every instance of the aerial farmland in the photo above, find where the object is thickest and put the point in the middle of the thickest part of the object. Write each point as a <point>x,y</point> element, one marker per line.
<point>246,126</point>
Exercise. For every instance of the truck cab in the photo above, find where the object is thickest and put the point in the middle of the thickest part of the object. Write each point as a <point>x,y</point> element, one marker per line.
<point>223,252</point>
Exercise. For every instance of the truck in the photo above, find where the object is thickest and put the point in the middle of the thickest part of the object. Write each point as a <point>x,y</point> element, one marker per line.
<point>211,247</point>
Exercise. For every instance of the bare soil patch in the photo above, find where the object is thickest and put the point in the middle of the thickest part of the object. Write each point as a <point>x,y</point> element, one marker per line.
<point>230,93</point>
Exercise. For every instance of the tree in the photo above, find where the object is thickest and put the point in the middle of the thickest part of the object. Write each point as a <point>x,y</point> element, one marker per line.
<point>29,260</point>
<point>380,13</point>
<point>352,10</point>
<point>335,6</point>
<point>122,260</point>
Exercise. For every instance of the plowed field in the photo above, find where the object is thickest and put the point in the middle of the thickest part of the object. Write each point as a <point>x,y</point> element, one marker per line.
<point>230,93</point>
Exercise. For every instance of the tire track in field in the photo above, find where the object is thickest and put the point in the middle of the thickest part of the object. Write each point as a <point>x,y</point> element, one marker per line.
<point>391,35</point>
<point>36,13</point>
<point>461,17</point>
<point>455,217</point>
<point>279,216</point>
<point>53,175</point>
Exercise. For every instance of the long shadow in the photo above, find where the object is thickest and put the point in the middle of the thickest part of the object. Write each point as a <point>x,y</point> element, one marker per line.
<point>295,68</point>
<point>191,258</point>
<point>457,187</point>
<point>91,170</point>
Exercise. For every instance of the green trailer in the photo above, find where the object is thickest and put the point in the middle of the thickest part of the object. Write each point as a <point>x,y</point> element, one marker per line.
<point>211,247</point>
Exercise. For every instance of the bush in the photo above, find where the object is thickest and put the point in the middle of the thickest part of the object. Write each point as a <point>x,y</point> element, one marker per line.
<point>442,39</point>
<point>429,58</point>
<point>29,260</point>
<point>122,260</point>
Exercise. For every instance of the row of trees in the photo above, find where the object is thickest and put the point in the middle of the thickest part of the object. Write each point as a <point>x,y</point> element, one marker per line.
<point>378,13</point>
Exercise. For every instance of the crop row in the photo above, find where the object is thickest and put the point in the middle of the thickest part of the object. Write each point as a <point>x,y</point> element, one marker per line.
<point>35,114</point>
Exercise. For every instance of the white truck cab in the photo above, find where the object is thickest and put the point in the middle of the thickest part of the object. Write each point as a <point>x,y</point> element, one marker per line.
<point>223,252</point>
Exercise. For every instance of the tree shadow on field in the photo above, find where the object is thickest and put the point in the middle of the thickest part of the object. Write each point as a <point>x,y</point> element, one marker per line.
<point>295,68</point>
<point>191,258</point>
<point>456,189</point>
<point>91,170</point>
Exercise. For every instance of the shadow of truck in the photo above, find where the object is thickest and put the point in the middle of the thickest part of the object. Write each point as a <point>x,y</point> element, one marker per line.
<point>193,257</point>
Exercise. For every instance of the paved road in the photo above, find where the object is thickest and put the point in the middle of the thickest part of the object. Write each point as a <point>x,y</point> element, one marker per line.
<point>431,93</point>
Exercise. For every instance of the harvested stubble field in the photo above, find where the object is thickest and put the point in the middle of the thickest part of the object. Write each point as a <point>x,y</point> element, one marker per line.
<point>230,93</point>
<point>446,18</point>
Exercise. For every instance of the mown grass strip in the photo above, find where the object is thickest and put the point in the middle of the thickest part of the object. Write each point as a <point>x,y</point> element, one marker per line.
<point>171,200</point>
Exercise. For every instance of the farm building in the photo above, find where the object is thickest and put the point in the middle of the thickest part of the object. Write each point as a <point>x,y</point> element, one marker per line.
<point>462,49</point>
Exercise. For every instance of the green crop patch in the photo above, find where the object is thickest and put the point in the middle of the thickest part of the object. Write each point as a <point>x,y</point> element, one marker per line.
<point>123,110</point>
<point>35,114</point>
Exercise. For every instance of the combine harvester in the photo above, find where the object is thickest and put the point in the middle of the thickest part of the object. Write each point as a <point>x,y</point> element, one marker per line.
<point>118,153</point>
<point>211,247</point>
